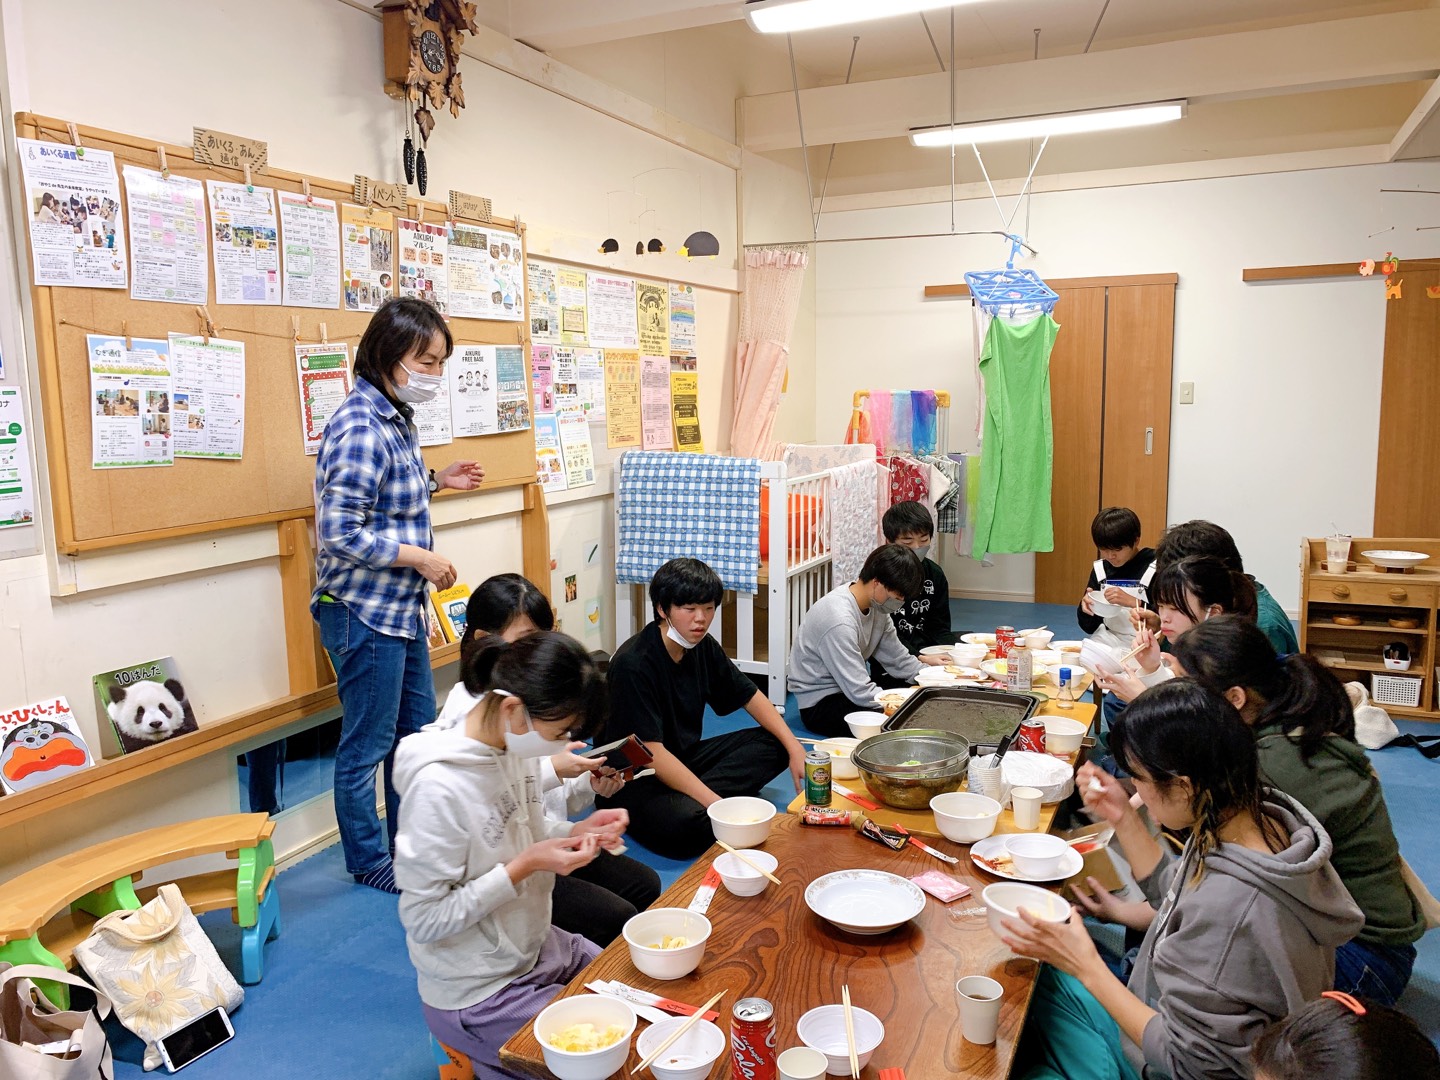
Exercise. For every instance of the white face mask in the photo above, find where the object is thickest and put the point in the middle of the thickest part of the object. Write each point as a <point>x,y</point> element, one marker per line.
<point>529,743</point>
<point>890,605</point>
<point>677,637</point>
<point>421,387</point>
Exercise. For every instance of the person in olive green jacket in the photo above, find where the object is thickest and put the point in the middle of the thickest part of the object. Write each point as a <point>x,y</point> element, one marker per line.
<point>1305,735</point>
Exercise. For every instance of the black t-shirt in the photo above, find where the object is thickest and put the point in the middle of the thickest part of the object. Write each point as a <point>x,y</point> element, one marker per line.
<point>925,620</point>
<point>659,700</point>
<point>1133,570</point>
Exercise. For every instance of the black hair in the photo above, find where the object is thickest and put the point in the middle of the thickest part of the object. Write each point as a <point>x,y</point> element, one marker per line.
<point>1209,581</point>
<point>1115,527</point>
<point>684,581</point>
<point>552,675</point>
<point>896,567</point>
<point>401,326</point>
<point>907,519</point>
<point>500,600</point>
<point>1182,728</point>
<point>1198,538</point>
<point>1327,1037</point>
<point>1227,651</point>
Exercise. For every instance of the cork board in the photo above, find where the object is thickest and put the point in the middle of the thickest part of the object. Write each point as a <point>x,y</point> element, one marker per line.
<point>274,480</point>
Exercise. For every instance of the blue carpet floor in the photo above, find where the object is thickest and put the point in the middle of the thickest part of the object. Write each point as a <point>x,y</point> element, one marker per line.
<point>338,999</point>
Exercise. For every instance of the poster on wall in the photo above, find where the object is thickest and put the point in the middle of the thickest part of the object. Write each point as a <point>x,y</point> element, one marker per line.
<point>685,404</point>
<point>576,449</point>
<point>622,398</point>
<point>571,294</point>
<point>433,418</point>
<point>486,281</point>
<point>17,486</point>
<point>323,372</point>
<point>549,466</point>
<point>367,241</point>
<point>682,318</point>
<point>207,411</point>
<point>542,378</point>
<point>590,383</point>
<point>611,312</point>
<point>39,743</point>
<point>566,381</point>
<point>424,263</point>
<point>655,420</point>
<point>652,316</point>
<point>310,251</point>
<point>72,205</point>
<point>247,243</point>
<point>130,388</point>
<point>544,304</point>
<point>168,256</point>
<point>513,394</point>
<point>473,393</point>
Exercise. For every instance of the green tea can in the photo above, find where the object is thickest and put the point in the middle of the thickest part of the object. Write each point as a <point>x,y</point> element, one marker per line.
<point>817,778</point>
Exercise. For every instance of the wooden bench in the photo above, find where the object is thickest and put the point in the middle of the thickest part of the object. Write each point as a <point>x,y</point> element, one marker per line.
<point>46,912</point>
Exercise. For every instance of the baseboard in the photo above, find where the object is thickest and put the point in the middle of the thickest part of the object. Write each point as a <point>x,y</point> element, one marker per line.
<point>313,846</point>
<point>1007,596</point>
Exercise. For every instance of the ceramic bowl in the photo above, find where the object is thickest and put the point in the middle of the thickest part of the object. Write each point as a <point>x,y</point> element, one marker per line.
<point>841,767</point>
<point>1063,735</point>
<point>965,816</point>
<point>1036,855</point>
<point>690,1057</point>
<point>741,879</point>
<point>603,1012</point>
<point>742,821</point>
<point>823,1029</point>
<point>1004,900</point>
<point>866,902</point>
<point>644,932</point>
<point>865,725</point>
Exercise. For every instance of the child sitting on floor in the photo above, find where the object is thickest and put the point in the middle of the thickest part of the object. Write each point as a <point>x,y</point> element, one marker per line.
<point>924,619</point>
<point>1122,561</point>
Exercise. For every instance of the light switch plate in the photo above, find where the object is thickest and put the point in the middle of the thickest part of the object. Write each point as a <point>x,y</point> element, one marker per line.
<point>1187,393</point>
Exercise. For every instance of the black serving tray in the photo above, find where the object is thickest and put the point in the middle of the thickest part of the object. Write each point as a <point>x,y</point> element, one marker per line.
<point>981,715</point>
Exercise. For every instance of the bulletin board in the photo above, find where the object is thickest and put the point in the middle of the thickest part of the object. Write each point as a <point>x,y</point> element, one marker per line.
<point>274,479</point>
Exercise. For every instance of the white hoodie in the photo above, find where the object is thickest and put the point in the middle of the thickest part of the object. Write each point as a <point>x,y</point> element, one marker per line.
<point>466,809</point>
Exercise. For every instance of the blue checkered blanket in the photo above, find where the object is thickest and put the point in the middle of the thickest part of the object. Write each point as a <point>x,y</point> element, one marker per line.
<point>701,506</point>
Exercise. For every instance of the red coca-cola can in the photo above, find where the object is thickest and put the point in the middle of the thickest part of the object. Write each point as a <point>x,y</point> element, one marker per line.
<point>1031,736</point>
<point>1004,638</point>
<point>752,1040</point>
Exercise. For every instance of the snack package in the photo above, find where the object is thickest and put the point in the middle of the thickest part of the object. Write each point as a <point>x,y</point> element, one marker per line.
<point>941,886</point>
<point>880,834</point>
<point>824,815</point>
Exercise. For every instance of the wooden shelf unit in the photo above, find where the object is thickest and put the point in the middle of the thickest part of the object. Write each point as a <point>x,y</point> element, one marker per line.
<point>1354,652</point>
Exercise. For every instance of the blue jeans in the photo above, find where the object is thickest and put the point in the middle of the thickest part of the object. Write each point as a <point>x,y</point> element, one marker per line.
<point>387,691</point>
<point>1377,972</point>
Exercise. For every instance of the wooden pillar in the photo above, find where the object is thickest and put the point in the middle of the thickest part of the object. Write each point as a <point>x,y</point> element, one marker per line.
<point>535,536</point>
<point>308,665</point>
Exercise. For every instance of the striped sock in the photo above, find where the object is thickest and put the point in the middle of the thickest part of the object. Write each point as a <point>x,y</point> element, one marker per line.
<point>381,877</point>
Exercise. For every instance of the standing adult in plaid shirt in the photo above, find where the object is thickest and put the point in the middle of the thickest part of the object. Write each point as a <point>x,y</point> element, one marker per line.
<point>373,539</point>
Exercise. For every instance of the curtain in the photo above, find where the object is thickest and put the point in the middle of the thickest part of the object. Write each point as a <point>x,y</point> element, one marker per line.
<point>773,279</point>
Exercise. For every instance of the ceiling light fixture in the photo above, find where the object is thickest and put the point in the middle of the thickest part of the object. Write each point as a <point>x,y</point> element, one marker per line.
<point>786,16</point>
<point>1035,127</point>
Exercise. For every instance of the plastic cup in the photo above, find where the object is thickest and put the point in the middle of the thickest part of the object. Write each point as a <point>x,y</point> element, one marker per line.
<point>801,1063</point>
<point>980,1000</point>
<point>985,779</point>
<point>1025,802</point>
<point>1337,554</point>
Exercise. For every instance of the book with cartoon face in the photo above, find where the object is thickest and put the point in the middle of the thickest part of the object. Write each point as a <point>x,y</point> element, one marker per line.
<point>40,743</point>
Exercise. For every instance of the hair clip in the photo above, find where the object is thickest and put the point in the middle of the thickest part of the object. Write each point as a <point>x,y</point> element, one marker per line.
<point>1345,999</point>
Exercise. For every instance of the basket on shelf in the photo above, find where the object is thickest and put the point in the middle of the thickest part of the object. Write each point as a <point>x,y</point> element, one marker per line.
<point>1401,690</point>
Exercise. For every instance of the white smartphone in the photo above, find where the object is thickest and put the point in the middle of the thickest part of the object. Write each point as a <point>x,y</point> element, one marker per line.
<point>195,1039</point>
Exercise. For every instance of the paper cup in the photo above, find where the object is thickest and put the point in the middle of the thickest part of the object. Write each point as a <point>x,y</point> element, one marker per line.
<point>980,1000</point>
<point>801,1063</point>
<point>985,779</point>
<point>1025,802</point>
<point>1337,554</point>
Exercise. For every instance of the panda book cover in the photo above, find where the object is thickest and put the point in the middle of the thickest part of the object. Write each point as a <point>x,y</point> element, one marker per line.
<point>40,743</point>
<point>145,704</point>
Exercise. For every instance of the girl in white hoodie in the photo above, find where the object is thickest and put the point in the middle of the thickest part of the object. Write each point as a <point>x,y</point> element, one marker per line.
<point>476,856</point>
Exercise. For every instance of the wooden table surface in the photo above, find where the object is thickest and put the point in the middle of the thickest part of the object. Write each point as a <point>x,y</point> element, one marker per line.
<point>773,946</point>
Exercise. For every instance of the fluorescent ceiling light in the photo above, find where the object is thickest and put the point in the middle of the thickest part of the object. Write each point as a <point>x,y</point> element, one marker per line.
<point>1034,127</point>
<point>785,16</point>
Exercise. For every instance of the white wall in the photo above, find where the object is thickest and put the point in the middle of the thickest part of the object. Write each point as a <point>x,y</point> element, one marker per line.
<point>1282,438</point>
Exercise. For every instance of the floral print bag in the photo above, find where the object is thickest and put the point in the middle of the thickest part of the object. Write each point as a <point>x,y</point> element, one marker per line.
<point>158,968</point>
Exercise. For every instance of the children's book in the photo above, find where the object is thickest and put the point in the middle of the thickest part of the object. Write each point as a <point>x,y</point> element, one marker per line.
<point>450,605</point>
<point>40,743</point>
<point>434,632</point>
<point>142,706</point>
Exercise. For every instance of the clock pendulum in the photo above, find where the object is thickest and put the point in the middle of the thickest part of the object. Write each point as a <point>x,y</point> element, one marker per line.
<point>424,122</point>
<point>409,151</point>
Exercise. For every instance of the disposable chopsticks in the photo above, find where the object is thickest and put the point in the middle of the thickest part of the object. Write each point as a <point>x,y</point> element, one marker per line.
<point>850,1031</point>
<point>681,1030</point>
<point>747,862</point>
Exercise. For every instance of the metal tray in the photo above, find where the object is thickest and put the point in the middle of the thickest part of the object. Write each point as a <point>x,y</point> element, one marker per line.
<point>981,715</point>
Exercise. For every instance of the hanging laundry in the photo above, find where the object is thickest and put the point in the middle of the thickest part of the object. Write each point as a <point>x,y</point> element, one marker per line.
<point>859,430</point>
<point>1014,508</point>
<point>950,507</point>
<point>901,422</point>
<point>922,432</point>
<point>937,484</point>
<point>908,481</point>
<point>879,405</point>
<point>802,459</point>
<point>965,538</point>
<point>853,517</point>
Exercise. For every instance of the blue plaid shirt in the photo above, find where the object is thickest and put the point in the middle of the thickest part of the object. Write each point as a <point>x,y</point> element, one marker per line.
<point>372,494</point>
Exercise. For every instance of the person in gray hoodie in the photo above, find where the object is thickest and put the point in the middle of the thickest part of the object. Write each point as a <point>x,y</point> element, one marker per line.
<point>476,855</point>
<point>1248,916</point>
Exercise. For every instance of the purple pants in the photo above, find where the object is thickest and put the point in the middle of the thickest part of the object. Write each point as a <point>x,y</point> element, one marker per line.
<point>480,1030</point>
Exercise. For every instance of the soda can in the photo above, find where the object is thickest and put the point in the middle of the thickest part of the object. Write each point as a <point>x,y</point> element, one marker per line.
<point>817,778</point>
<point>1031,736</point>
<point>1004,639</point>
<point>752,1040</point>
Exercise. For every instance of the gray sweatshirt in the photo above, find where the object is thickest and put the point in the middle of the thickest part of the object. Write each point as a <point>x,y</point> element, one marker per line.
<point>835,642</point>
<point>468,808</point>
<point>1249,942</point>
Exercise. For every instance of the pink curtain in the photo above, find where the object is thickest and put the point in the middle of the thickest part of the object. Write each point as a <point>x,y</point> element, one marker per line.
<point>773,279</point>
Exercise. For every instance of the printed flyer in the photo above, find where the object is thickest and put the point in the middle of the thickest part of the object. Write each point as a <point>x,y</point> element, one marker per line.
<point>513,396</point>
<point>622,398</point>
<point>485,276</point>
<point>571,295</point>
<point>324,375</point>
<point>576,449</point>
<point>167,237</point>
<point>310,231</point>
<point>207,412</point>
<point>685,404</point>
<point>72,203</point>
<point>543,378</point>
<point>655,420</point>
<point>130,389</point>
<point>549,466</point>
<point>544,304</point>
<point>590,381</point>
<point>682,318</point>
<point>17,486</point>
<point>424,265</point>
<point>611,312</point>
<point>247,244</point>
<point>433,421</point>
<point>566,380</point>
<point>366,241</point>
<point>652,314</point>
<point>474,408</point>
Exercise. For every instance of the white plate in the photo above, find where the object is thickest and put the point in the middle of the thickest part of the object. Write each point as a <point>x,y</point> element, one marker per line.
<point>1071,863</point>
<point>935,650</point>
<point>902,694</point>
<point>996,670</point>
<point>1395,559</point>
<point>978,639</point>
<point>864,901</point>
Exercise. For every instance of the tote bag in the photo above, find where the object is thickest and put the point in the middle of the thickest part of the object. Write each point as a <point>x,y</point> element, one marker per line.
<point>74,1045</point>
<point>158,968</point>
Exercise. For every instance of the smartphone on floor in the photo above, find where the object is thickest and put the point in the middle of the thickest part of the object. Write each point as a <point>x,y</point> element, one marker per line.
<point>194,1040</point>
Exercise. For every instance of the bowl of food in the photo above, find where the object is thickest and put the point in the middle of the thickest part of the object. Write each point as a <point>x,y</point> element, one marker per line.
<point>666,943</point>
<point>1036,855</point>
<point>741,821</point>
<point>865,724</point>
<point>586,1037</point>
<point>1395,559</point>
<point>965,816</point>
<point>823,1029</point>
<point>1063,735</point>
<point>841,767</point>
<point>907,768</point>
<point>1004,900</point>
<point>891,700</point>
<point>988,640</point>
<point>969,655</point>
<point>690,1057</point>
<point>741,878</point>
<point>1000,669</point>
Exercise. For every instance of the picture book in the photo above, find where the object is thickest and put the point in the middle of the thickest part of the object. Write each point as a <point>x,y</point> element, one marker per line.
<point>145,704</point>
<point>40,743</point>
<point>450,606</point>
<point>434,632</point>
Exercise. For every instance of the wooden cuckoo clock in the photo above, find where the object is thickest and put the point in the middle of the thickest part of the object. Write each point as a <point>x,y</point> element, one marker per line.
<point>422,67</point>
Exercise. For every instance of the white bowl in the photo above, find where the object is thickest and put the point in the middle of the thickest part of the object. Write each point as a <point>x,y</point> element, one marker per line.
<point>1063,735</point>
<point>644,932</point>
<point>1004,899</point>
<point>1398,560</point>
<point>742,821</point>
<point>841,767</point>
<point>1102,607</point>
<point>741,879</point>
<point>864,725</point>
<point>690,1057</point>
<point>1036,855</point>
<point>823,1029</point>
<point>895,697</point>
<point>965,816</point>
<point>969,655</point>
<point>864,901</point>
<point>603,1012</point>
<point>1036,639</point>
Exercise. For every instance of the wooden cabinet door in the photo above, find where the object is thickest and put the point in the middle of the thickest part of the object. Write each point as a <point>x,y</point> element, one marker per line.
<point>1408,461</point>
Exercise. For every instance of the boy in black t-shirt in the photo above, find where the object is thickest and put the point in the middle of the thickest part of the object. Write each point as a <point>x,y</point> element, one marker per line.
<point>925,618</point>
<point>660,682</point>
